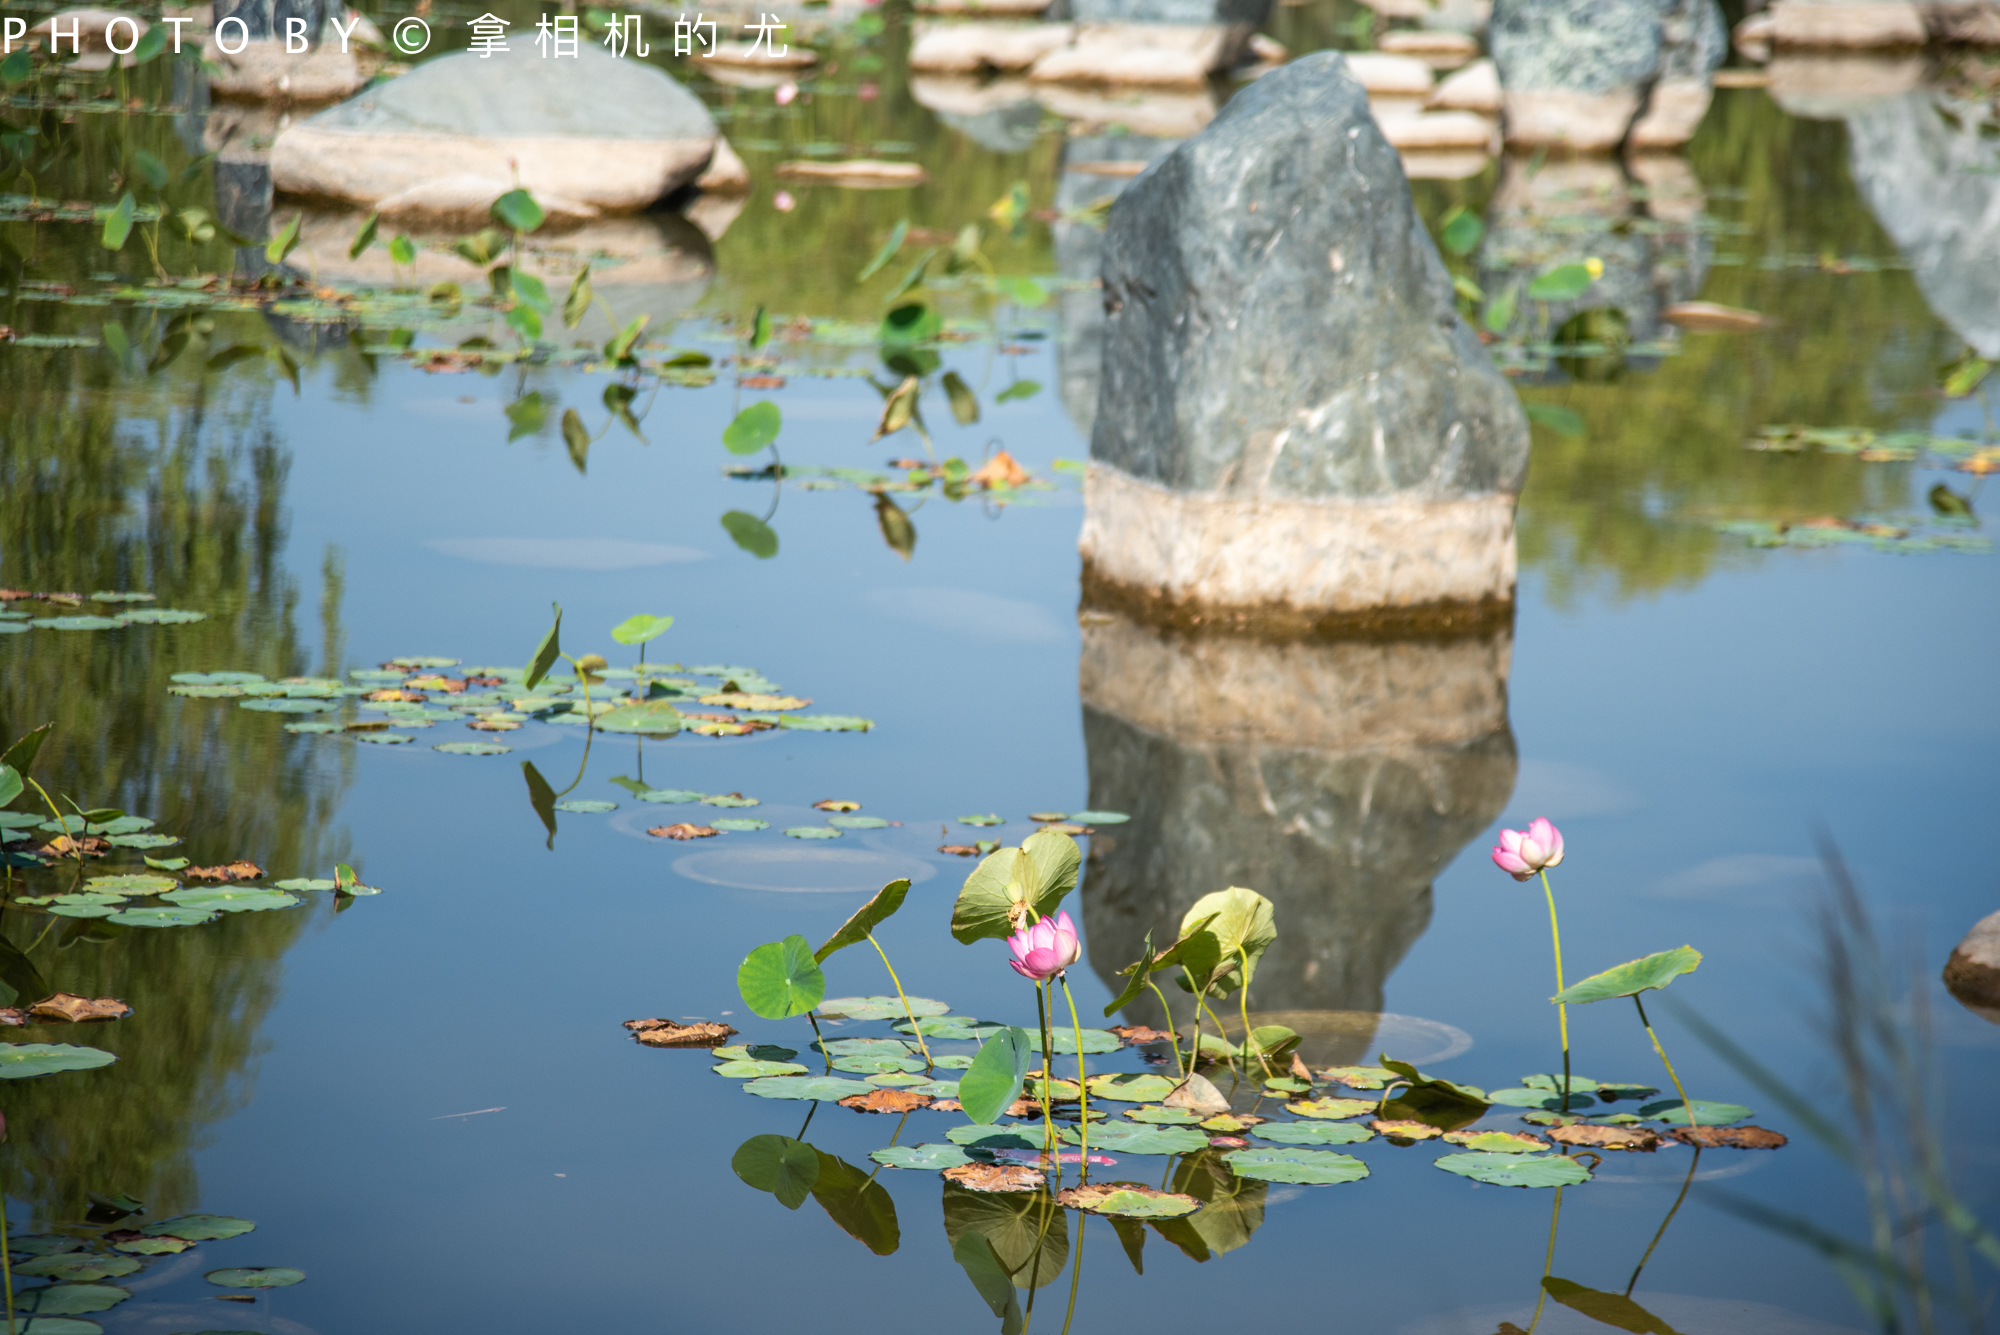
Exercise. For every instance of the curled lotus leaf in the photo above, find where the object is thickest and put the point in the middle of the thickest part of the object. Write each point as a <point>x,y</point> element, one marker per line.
<point>819,1087</point>
<point>932,1157</point>
<point>1516,1170</point>
<point>1313,1133</point>
<point>878,1008</point>
<point>1633,977</point>
<point>1317,1167</point>
<point>199,1227</point>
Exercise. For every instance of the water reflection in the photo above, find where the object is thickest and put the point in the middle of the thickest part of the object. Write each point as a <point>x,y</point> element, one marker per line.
<point>1335,778</point>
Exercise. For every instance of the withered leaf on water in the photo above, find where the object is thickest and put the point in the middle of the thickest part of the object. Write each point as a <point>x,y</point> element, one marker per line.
<point>1607,1137</point>
<point>886,1101</point>
<point>233,871</point>
<point>836,804</point>
<point>1228,1143</point>
<point>996,1177</point>
<point>1024,1108</point>
<point>1000,471</point>
<point>1133,1033</point>
<point>13,1015</point>
<point>1128,1198</point>
<point>1300,1071</point>
<point>959,850</point>
<point>947,1105</point>
<point>392,694</point>
<point>684,831</point>
<point>1493,1141</point>
<point>1735,1137</point>
<point>659,1033</point>
<point>1197,1094</point>
<point>62,846</point>
<point>1403,1130</point>
<point>75,1009</point>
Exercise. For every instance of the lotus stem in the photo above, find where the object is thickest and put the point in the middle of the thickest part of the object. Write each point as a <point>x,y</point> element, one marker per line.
<point>1250,1044</point>
<point>1173,1030</point>
<point>1076,1267</point>
<point>1548,1262</point>
<point>1562,1010</point>
<point>1048,1075</point>
<point>1664,1222</point>
<point>915,1028</point>
<point>824,1055</point>
<point>1083,1102</point>
<point>6,1263</point>
<point>1686,1105</point>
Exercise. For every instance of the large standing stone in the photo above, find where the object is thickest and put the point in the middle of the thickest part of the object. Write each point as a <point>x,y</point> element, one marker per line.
<point>615,134</point>
<point>1588,74</point>
<point>1973,972</point>
<point>1295,426</point>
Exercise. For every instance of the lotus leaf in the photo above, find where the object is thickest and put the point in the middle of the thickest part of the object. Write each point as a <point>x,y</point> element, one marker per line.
<point>993,1080</point>
<point>42,1244</point>
<point>471,749</point>
<point>781,979</point>
<point>656,718</point>
<point>1099,817</point>
<point>937,1089</point>
<point>60,1325</point>
<point>1706,1112</point>
<point>230,899</point>
<point>586,806</point>
<point>1538,1098</point>
<point>731,800</point>
<point>1516,1170</point>
<point>152,1246</point>
<point>18,1061</point>
<point>71,1299</point>
<point>305,883</point>
<point>827,1087</point>
<point>1631,978</point>
<point>874,1064</point>
<point>812,832</point>
<point>87,909</point>
<point>950,1027</point>
<point>1019,1136</point>
<point>1163,1116</point>
<point>867,918</point>
<point>786,1168</point>
<point>140,884</point>
<point>285,705</point>
<point>932,1157</point>
<point>255,1277</point>
<point>824,723</point>
<point>747,1069</point>
<point>740,825</point>
<point>1320,1167</point>
<point>1129,1200</point>
<point>173,917</point>
<point>1094,1040</point>
<point>951,1061</point>
<point>1577,1084</point>
<point>1037,874</point>
<point>77,1267</point>
<point>863,1047</point>
<point>878,1008</point>
<point>1127,1138</point>
<point>199,1227</point>
<point>670,795</point>
<point>383,738</point>
<point>1312,1133</point>
<point>1331,1107</point>
<point>1131,1087</point>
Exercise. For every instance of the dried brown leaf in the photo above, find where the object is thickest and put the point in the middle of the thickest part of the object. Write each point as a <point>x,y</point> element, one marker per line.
<point>62,846</point>
<point>1734,1137</point>
<point>1024,1108</point>
<point>75,1009</point>
<point>886,1101</point>
<point>1197,1094</point>
<point>1606,1137</point>
<point>1300,1071</point>
<point>836,804</point>
<point>231,871</point>
<point>1138,1033</point>
<point>996,1177</point>
<point>391,694</point>
<point>1090,1195</point>
<point>667,1034</point>
<point>999,471</point>
<point>947,1105</point>
<point>1403,1130</point>
<point>959,850</point>
<point>1524,1139</point>
<point>13,1015</point>
<point>1228,1143</point>
<point>684,831</point>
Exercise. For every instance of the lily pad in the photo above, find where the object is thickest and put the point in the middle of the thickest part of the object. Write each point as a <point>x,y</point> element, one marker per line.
<point>932,1157</point>
<point>255,1277</point>
<point>827,1087</point>
<point>77,1267</point>
<point>749,1068</point>
<point>42,1244</point>
<point>1127,1138</point>
<point>315,728</point>
<point>199,1227</point>
<point>1330,1108</point>
<point>471,749</point>
<point>161,616</point>
<point>77,623</point>
<point>812,832</point>
<point>586,806</point>
<point>143,840</point>
<point>1131,1087</point>
<point>18,1061</point>
<point>153,1246</point>
<point>1128,1200</point>
<point>824,723</point>
<point>232,899</point>
<point>1539,1098</point>
<point>383,738</point>
<point>1516,1170</point>
<point>139,884</point>
<point>1577,1084</point>
<point>1313,1133</point>
<point>952,1061</point>
<point>937,1089</point>
<point>1099,817</point>
<point>173,917</point>
<point>1706,1111</point>
<point>875,1063</point>
<point>60,1325</point>
<point>981,820</point>
<point>1094,1040</point>
<point>71,1299</point>
<point>655,718</point>
<point>670,795</point>
<point>1633,977</point>
<point>1155,1116</point>
<point>1318,1167</point>
<point>878,1008</point>
<point>305,883</point>
<point>739,824</point>
<point>857,822</point>
<point>216,678</point>
<point>950,1027</point>
<point>1497,1142</point>
<point>286,705</point>
<point>976,1135</point>
<point>864,1047</point>
<point>731,800</point>
<point>86,909</point>
<point>894,1079</point>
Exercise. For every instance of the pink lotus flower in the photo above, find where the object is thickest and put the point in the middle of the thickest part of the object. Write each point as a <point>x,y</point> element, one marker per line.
<point>1522,853</point>
<point>783,201</point>
<point>1045,949</point>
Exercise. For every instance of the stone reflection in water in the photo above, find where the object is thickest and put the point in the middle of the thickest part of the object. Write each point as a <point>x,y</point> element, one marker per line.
<point>190,506</point>
<point>1335,778</point>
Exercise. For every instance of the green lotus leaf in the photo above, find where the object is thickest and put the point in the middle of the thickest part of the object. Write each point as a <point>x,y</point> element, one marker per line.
<point>70,1299</point>
<point>1128,1138</point>
<point>654,718</point>
<point>1312,1133</point>
<point>1319,1167</point>
<point>1631,978</point>
<point>826,1087</point>
<point>232,899</point>
<point>878,1008</point>
<point>255,1277</point>
<point>1516,1170</point>
<point>932,1157</point>
<point>975,1135</point>
<point>1094,1040</point>
<point>824,723</point>
<point>199,1227</point>
<point>1706,1111</point>
<point>786,1168</point>
<point>1131,1087</point>
<point>472,748</point>
<point>173,917</point>
<point>304,883</point>
<point>1133,1202</point>
<point>77,1267</point>
<point>993,1080</point>
<point>748,1069</point>
<point>18,1061</point>
<point>1157,1116</point>
<point>781,979</point>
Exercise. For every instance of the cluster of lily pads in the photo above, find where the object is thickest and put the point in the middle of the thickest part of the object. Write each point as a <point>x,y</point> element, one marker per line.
<point>114,1245</point>
<point>121,610</point>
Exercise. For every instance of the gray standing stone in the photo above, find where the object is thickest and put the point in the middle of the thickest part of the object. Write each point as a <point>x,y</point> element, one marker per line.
<point>596,131</point>
<point>1294,422</point>
<point>1594,74</point>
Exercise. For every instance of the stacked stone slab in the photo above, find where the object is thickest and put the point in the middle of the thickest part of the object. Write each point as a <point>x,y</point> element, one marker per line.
<point>1294,429</point>
<point>1593,75</point>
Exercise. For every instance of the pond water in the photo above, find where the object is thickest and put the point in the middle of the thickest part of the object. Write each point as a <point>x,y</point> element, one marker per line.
<point>424,1098</point>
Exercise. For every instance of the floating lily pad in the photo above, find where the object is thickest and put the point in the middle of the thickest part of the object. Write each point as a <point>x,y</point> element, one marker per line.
<point>77,623</point>
<point>1330,1108</point>
<point>1131,1087</point>
<point>893,1079</point>
<point>206,692</point>
<point>383,738</point>
<point>1497,1142</point>
<point>1127,1138</point>
<point>143,840</point>
<point>1539,1098</point>
<point>1094,1040</point>
<point>1612,1092</point>
<point>812,832</point>
<point>875,1063</point>
<point>315,728</point>
<point>60,1325</point>
<point>587,806</point>
<point>865,1047</point>
<point>1358,1077</point>
<point>77,1267</point>
<point>161,616</point>
<point>654,718</point>
<point>1516,1170</point>
<point>824,723</point>
<point>1313,1133</point>
<point>1128,1200</point>
<point>199,1227</point>
<point>878,1008</point>
<point>18,1061</point>
<point>670,795</point>
<point>123,596</point>
<point>42,1244</point>
<point>1163,1116</point>
<point>153,1246</point>
<point>937,1089</point>
<point>949,1026</point>
<point>731,800</point>
<point>86,909</point>
<point>828,1087</point>
<point>471,749</point>
<point>305,883</point>
<point>1099,817</point>
<point>981,820</point>
<point>70,1299</point>
<point>749,1068</point>
<point>1706,1111</point>
<point>287,705</point>
<point>255,1277</point>
<point>931,1157</point>
<point>174,917</point>
<point>1319,1167</point>
<point>1577,1084</point>
<point>216,678</point>
<point>739,824</point>
<point>952,1061</point>
<point>232,899</point>
<point>139,884</point>
<point>976,1136</point>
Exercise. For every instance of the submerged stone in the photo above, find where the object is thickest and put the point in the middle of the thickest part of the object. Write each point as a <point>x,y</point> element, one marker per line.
<point>1294,422</point>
